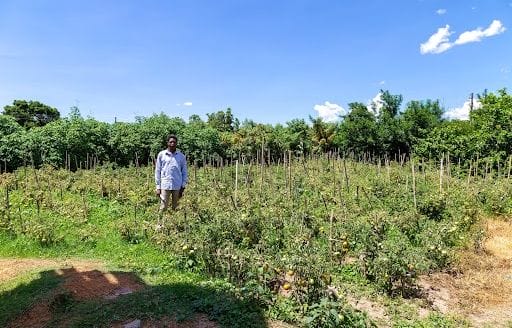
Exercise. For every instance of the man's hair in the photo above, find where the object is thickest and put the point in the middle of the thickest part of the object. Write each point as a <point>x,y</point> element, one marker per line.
<point>173,136</point>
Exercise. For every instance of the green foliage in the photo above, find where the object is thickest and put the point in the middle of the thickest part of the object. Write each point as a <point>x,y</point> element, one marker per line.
<point>333,313</point>
<point>419,118</point>
<point>283,241</point>
<point>200,142</point>
<point>223,121</point>
<point>322,135</point>
<point>384,133</point>
<point>358,132</point>
<point>433,320</point>
<point>31,113</point>
<point>298,132</point>
<point>486,135</point>
<point>9,125</point>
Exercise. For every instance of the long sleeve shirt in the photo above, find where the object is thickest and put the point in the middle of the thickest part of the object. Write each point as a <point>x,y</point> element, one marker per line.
<point>170,170</point>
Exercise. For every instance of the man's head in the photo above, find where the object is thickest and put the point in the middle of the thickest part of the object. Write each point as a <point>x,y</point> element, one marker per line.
<point>172,142</point>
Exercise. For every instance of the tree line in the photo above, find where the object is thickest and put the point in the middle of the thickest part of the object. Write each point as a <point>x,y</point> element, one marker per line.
<point>32,133</point>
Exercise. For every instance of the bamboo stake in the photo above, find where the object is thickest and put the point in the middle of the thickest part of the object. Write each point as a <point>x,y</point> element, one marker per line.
<point>388,169</point>
<point>330,232</point>
<point>413,184</point>
<point>290,173</point>
<point>509,166</point>
<point>346,174</point>
<point>441,175</point>
<point>469,171</point>
<point>236,181</point>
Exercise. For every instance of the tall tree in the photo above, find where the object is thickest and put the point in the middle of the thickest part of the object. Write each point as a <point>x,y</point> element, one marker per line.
<point>31,113</point>
<point>358,131</point>
<point>322,134</point>
<point>300,142</point>
<point>493,123</point>
<point>419,118</point>
<point>390,104</point>
<point>390,131</point>
<point>223,121</point>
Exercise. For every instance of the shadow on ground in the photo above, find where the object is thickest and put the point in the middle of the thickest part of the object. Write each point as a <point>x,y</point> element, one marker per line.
<point>91,298</point>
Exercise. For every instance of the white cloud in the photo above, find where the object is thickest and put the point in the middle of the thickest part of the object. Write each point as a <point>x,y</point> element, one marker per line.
<point>329,112</point>
<point>462,113</point>
<point>441,11</point>
<point>187,104</point>
<point>438,42</point>
<point>478,34</point>
<point>376,104</point>
<point>382,82</point>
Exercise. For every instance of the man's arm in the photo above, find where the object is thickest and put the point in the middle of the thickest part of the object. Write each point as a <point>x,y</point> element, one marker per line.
<point>184,172</point>
<point>158,169</point>
<point>184,175</point>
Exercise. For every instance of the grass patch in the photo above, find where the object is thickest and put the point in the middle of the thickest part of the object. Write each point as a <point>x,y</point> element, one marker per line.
<point>19,294</point>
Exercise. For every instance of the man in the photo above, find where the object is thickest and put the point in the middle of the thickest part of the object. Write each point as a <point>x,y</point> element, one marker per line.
<point>170,175</point>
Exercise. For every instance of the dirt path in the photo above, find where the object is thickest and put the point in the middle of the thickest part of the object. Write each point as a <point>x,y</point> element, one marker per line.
<point>10,268</point>
<point>481,289</point>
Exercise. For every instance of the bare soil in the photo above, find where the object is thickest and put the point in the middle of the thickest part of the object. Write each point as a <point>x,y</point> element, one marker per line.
<point>480,287</point>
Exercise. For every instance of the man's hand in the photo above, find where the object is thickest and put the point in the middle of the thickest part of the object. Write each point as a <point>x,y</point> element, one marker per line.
<point>157,192</point>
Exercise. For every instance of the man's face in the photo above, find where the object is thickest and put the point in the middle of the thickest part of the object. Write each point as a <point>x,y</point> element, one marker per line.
<point>171,144</point>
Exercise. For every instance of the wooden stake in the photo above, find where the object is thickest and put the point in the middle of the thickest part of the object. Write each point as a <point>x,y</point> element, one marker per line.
<point>413,184</point>
<point>236,182</point>
<point>441,175</point>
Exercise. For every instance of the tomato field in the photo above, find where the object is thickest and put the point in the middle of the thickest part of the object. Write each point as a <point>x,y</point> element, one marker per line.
<point>296,236</point>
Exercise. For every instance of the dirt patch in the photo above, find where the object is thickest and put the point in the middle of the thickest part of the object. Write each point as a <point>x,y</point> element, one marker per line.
<point>375,311</point>
<point>198,321</point>
<point>10,268</point>
<point>82,280</point>
<point>37,317</point>
<point>84,284</point>
<point>481,287</point>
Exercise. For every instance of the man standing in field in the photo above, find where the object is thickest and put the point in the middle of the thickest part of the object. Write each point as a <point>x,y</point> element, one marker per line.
<point>170,175</point>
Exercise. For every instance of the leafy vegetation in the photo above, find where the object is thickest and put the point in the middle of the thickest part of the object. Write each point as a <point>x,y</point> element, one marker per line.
<point>287,237</point>
<point>34,133</point>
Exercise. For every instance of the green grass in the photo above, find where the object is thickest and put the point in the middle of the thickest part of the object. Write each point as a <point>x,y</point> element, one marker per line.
<point>23,292</point>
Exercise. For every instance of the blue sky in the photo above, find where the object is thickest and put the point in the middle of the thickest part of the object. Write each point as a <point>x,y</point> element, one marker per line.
<point>270,61</point>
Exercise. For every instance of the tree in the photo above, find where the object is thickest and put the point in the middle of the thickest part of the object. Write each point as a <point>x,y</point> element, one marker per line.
<point>8,125</point>
<point>223,121</point>
<point>419,118</point>
<point>200,142</point>
<point>12,137</point>
<point>32,113</point>
<point>390,104</point>
<point>300,142</point>
<point>322,134</point>
<point>455,137</point>
<point>358,131</point>
<point>493,124</point>
<point>390,131</point>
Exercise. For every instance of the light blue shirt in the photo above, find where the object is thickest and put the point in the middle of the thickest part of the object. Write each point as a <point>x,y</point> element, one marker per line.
<point>171,170</point>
